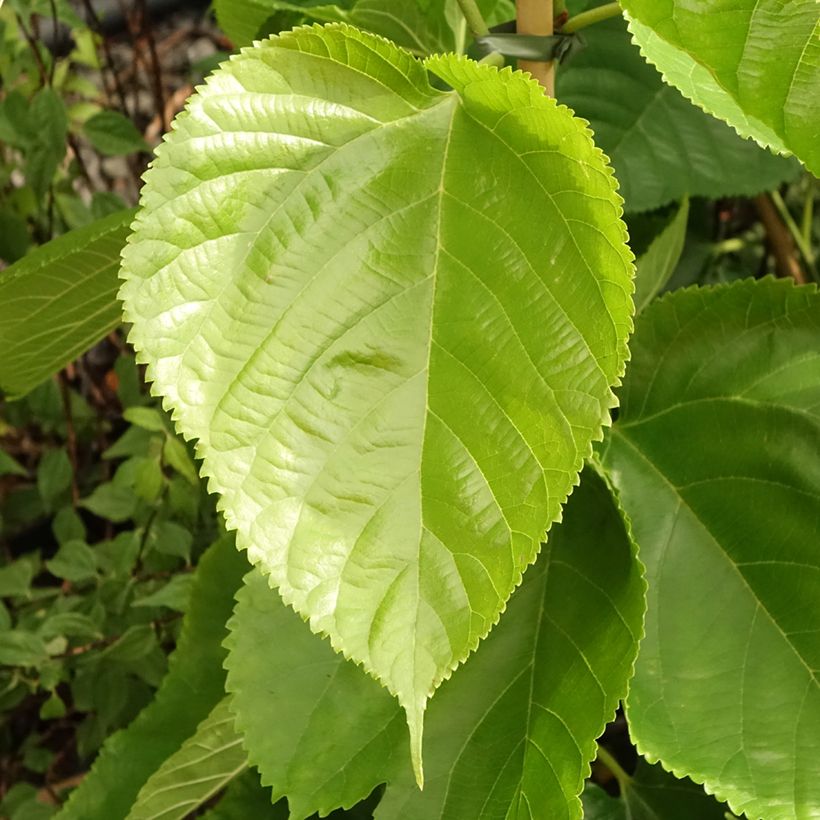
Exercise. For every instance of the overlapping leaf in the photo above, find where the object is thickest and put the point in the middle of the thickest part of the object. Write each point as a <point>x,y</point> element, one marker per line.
<point>753,63</point>
<point>662,146</point>
<point>515,727</point>
<point>193,685</point>
<point>205,764</point>
<point>715,453</point>
<point>335,273</point>
<point>58,301</point>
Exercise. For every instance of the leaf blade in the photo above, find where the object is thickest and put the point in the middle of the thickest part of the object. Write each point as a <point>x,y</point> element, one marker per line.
<point>435,513</point>
<point>59,300</point>
<point>739,360</point>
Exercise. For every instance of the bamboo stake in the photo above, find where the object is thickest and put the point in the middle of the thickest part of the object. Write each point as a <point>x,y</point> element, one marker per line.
<point>536,17</point>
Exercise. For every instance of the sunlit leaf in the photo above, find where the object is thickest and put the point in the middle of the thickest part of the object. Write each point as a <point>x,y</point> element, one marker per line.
<point>349,230</point>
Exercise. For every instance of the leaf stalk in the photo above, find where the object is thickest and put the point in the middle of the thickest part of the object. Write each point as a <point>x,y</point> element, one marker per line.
<point>475,20</point>
<point>589,18</point>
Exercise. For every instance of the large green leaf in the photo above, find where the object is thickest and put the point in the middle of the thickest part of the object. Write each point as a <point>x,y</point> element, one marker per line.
<point>661,146</point>
<point>652,794</point>
<point>515,727</point>
<point>334,275</point>
<point>205,764</point>
<point>422,26</point>
<point>59,300</point>
<point>193,686</point>
<point>715,453</point>
<point>753,63</point>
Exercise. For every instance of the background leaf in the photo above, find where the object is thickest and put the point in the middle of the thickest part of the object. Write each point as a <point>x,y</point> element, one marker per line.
<point>653,794</point>
<point>369,446</point>
<point>753,63</point>
<point>422,26</point>
<point>204,765</point>
<point>113,134</point>
<point>655,266</point>
<point>505,731</point>
<point>193,686</point>
<point>726,688</point>
<point>58,301</point>
<point>661,146</point>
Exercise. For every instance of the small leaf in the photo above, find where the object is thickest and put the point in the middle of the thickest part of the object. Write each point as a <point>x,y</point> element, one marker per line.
<point>655,267</point>
<point>21,648</point>
<point>111,501</point>
<point>10,466</point>
<point>53,476</point>
<point>193,686</point>
<point>515,725</point>
<point>146,417</point>
<point>74,561</point>
<point>661,146</point>
<point>174,594</point>
<point>170,538</point>
<point>205,764</point>
<point>70,625</point>
<point>176,455</point>
<point>133,645</point>
<point>369,446</point>
<point>757,69</point>
<point>68,526</point>
<point>52,708</point>
<point>715,454</point>
<point>16,578</point>
<point>58,301</point>
<point>113,134</point>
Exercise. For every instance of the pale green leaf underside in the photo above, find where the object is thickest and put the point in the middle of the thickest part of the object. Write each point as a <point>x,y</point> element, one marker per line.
<point>205,764</point>
<point>661,146</point>
<point>753,63</point>
<point>59,300</point>
<point>193,685</point>
<point>392,317</point>
<point>727,684</point>
<point>510,735</point>
<point>654,268</point>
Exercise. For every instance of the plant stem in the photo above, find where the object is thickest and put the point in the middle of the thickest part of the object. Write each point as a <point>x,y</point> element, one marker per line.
<point>588,18</point>
<point>536,17</point>
<point>475,20</point>
<point>608,759</point>
<point>495,58</point>
<point>797,236</point>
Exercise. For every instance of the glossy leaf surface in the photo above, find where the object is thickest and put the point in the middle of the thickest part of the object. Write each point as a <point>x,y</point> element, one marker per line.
<point>726,686</point>
<point>753,63</point>
<point>58,301</point>
<point>661,145</point>
<point>510,733</point>
<point>205,764</point>
<point>193,686</point>
<point>331,285</point>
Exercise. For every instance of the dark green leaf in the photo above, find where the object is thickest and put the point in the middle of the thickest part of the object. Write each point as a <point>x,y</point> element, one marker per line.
<point>58,301</point>
<point>74,561</point>
<point>192,687</point>
<point>715,453</point>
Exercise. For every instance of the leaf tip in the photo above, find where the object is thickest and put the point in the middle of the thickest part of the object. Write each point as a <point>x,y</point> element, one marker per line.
<point>415,723</point>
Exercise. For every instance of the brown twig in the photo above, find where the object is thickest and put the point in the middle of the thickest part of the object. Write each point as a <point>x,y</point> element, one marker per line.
<point>94,22</point>
<point>536,17</point>
<point>32,44</point>
<point>147,34</point>
<point>780,240</point>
